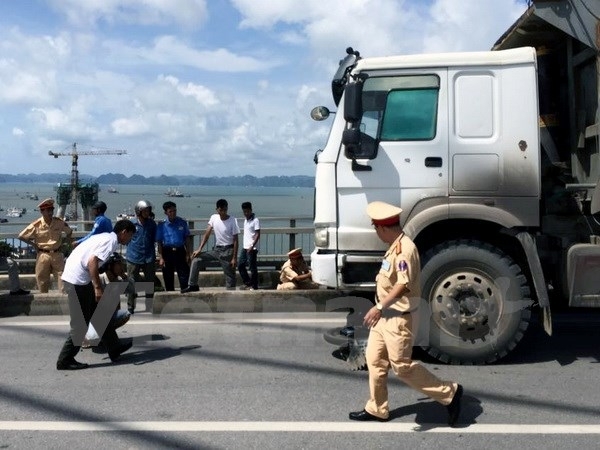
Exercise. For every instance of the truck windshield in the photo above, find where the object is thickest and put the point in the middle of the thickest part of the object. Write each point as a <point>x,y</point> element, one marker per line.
<point>400,108</point>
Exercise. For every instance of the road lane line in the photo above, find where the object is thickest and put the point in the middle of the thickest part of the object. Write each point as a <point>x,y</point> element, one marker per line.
<point>51,323</point>
<point>299,427</point>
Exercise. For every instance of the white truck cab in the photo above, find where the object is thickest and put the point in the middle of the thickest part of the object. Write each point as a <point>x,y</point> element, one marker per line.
<point>443,136</point>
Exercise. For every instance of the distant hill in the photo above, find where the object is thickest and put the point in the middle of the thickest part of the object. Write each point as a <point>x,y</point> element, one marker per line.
<point>165,180</point>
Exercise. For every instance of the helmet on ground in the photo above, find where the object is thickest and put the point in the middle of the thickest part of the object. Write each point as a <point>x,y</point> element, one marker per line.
<point>115,258</point>
<point>142,204</point>
<point>100,207</point>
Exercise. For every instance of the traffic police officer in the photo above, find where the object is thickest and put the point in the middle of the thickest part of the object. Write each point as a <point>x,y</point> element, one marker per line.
<point>392,323</point>
<point>295,273</point>
<point>47,234</point>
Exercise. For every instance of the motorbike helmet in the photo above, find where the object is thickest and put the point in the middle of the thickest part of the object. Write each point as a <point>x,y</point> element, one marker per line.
<point>142,204</point>
<point>112,259</point>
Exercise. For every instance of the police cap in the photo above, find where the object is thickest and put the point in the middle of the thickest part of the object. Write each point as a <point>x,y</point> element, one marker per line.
<point>48,203</point>
<point>383,214</point>
<point>296,253</point>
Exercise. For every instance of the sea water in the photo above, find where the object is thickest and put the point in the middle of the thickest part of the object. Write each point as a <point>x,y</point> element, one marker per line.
<point>198,202</point>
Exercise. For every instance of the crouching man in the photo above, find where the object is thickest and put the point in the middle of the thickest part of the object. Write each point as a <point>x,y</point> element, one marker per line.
<point>84,287</point>
<point>295,273</point>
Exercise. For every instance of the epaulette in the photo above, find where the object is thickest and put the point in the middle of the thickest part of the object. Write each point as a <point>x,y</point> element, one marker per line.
<point>398,247</point>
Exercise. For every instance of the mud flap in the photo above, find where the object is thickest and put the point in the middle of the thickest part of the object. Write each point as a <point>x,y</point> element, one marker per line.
<point>535,268</point>
<point>547,320</point>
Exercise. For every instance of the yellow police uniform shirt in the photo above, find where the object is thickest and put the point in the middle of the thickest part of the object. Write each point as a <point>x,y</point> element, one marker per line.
<point>46,236</point>
<point>401,265</point>
<point>288,273</point>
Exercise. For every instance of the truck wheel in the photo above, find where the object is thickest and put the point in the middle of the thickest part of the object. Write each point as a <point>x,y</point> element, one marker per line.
<point>479,300</point>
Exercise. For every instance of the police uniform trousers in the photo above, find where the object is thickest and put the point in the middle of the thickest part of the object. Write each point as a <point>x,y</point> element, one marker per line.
<point>85,301</point>
<point>390,344</point>
<point>48,263</point>
<point>290,285</point>
<point>223,254</point>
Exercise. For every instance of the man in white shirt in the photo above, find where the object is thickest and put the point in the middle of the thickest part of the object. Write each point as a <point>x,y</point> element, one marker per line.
<point>249,253</point>
<point>225,250</point>
<point>84,287</point>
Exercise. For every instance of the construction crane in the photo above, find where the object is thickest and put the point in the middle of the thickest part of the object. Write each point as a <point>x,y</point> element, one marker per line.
<point>74,187</point>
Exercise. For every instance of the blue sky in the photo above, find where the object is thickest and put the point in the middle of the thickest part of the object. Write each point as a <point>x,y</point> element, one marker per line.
<point>201,87</point>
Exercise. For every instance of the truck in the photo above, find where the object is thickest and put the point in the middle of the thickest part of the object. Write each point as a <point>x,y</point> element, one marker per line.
<point>494,159</point>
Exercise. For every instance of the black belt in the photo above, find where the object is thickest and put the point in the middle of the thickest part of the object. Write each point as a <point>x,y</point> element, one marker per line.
<point>224,246</point>
<point>173,249</point>
<point>47,251</point>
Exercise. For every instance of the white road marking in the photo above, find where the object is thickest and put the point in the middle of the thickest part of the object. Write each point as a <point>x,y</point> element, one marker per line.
<point>135,321</point>
<point>299,427</point>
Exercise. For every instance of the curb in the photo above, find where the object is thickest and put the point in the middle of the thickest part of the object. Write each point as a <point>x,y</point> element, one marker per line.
<point>209,300</point>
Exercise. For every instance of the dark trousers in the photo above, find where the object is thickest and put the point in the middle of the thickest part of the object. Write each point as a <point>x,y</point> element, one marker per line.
<point>248,257</point>
<point>86,303</point>
<point>224,255</point>
<point>175,260</point>
<point>133,272</point>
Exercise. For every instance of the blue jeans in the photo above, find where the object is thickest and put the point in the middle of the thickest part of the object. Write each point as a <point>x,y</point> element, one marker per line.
<point>248,257</point>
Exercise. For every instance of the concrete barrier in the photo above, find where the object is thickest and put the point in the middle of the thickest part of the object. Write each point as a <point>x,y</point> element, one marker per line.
<point>209,299</point>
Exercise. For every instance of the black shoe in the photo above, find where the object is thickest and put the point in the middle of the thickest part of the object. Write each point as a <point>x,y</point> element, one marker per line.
<point>130,310</point>
<point>122,348</point>
<point>454,406</point>
<point>122,320</point>
<point>20,292</point>
<point>364,416</point>
<point>70,365</point>
<point>190,289</point>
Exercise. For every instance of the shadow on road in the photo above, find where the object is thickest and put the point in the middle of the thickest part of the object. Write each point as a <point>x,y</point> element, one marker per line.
<point>429,414</point>
<point>575,334</point>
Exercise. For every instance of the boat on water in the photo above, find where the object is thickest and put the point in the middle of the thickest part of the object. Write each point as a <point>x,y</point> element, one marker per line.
<point>15,212</point>
<point>112,190</point>
<point>174,192</point>
<point>126,214</point>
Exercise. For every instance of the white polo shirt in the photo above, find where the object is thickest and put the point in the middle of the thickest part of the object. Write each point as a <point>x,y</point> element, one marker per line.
<point>251,226</point>
<point>76,266</point>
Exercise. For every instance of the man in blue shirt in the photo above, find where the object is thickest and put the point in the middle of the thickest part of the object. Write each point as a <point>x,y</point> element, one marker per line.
<point>140,251</point>
<point>102,224</point>
<point>173,247</point>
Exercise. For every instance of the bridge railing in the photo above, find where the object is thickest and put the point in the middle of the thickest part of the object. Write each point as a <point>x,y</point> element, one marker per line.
<point>278,236</point>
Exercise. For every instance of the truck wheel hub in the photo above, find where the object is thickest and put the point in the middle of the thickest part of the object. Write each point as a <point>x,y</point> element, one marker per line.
<point>464,304</point>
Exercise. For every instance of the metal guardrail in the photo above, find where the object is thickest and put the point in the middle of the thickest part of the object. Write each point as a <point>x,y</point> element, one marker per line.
<point>275,241</point>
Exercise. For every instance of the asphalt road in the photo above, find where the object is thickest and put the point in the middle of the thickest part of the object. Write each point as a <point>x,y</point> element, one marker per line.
<point>233,381</point>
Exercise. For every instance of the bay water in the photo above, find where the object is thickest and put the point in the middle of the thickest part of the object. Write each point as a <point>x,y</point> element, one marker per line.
<point>198,202</point>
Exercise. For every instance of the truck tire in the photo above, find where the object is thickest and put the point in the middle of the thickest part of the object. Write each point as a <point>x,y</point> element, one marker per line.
<point>478,299</point>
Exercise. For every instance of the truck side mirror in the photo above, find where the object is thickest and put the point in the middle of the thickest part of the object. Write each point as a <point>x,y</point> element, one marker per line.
<point>353,102</point>
<point>351,140</point>
<point>319,113</point>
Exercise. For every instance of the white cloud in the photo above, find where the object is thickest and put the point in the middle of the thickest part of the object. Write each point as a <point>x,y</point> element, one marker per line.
<point>188,13</point>
<point>129,126</point>
<point>183,94</point>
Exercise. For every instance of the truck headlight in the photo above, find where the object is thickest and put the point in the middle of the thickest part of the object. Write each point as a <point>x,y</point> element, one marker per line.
<point>321,236</point>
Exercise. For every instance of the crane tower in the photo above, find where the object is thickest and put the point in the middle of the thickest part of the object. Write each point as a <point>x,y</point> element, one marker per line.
<point>72,192</point>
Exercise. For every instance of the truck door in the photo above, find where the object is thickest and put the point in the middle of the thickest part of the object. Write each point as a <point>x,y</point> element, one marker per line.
<point>403,153</point>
